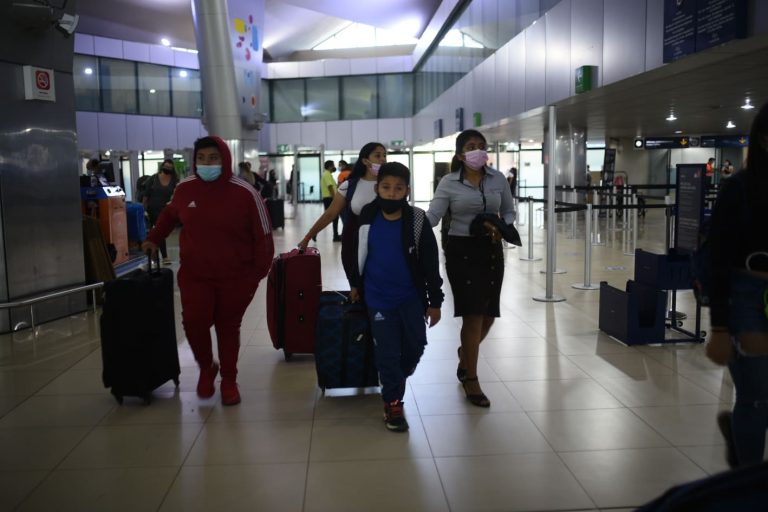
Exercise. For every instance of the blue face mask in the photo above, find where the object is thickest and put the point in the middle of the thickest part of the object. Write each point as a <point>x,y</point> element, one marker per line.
<point>209,172</point>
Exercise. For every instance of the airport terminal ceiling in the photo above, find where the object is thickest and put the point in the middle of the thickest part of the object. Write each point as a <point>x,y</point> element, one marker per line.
<point>290,25</point>
<point>705,91</point>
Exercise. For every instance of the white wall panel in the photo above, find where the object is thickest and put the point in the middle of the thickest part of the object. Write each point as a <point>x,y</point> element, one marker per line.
<point>363,132</point>
<point>160,55</point>
<point>586,37</point>
<point>272,147</point>
<point>283,70</point>
<point>185,60</point>
<point>391,129</point>
<point>87,125</point>
<point>136,51</point>
<point>112,133</point>
<point>311,68</point>
<point>501,77</point>
<point>393,64</point>
<point>265,138</point>
<point>288,133</point>
<point>558,36</point>
<point>84,44</point>
<point>312,134</point>
<point>362,66</point>
<point>337,67</point>
<point>339,135</point>
<point>139,134</point>
<point>164,132</point>
<point>203,130</point>
<point>188,130</point>
<point>517,74</point>
<point>408,131</point>
<point>535,64</point>
<point>422,129</point>
<point>654,34</point>
<point>624,42</point>
<point>108,47</point>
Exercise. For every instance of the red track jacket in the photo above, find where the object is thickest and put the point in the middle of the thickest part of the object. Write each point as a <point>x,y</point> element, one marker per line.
<point>226,230</point>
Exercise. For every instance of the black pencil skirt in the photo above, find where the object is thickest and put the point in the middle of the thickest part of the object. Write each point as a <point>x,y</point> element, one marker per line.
<point>475,268</point>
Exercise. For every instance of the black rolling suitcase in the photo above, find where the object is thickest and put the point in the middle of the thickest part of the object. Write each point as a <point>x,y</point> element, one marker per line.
<point>344,351</point>
<point>276,212</point>
<point>138,333</point>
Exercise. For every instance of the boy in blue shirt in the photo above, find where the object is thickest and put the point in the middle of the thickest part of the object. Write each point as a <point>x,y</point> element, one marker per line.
<point>399,279</point>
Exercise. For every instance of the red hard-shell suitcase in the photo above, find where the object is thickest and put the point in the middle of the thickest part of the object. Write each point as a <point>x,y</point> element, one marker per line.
<point>293,299</point>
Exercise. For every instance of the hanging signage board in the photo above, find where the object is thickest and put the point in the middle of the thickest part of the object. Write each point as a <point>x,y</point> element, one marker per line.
<point>725,141</point>
<point>691,186</point>
<point>692,26</point>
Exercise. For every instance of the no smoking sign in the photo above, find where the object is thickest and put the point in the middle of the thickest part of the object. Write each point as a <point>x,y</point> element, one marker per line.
<point>39,84</point>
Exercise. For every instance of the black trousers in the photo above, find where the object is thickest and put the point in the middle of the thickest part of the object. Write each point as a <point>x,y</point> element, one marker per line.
<point>327,203</point>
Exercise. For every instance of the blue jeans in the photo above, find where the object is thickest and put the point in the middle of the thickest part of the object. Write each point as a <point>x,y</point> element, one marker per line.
<point>749,373</point>
<point>399,336</point>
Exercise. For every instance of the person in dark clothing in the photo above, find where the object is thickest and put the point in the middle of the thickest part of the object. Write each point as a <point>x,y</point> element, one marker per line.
<point>398,275</point>
<point>158,190</point>
<point>739,297</point>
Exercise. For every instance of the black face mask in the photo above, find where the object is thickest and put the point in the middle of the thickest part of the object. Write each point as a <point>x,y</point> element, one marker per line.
<point>166,171</point>
<point>392,205</point>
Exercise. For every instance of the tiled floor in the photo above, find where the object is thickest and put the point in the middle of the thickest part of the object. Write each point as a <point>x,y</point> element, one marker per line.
<point>578,421</point>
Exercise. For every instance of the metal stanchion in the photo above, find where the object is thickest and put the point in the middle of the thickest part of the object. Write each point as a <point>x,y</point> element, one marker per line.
<point>612,222</point>
<point>530,232</point>
<point>574,199</point>
<point>551,228</point>
<point>587,284</point>
<point>630,223</point>
<point>596,222</point>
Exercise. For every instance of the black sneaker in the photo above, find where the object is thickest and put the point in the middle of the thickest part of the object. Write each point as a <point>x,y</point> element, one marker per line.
<point>724,419</point>
<point>394,416</point>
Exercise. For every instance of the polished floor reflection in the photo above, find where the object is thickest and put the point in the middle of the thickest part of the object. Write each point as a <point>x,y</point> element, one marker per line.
<point>578,421</point>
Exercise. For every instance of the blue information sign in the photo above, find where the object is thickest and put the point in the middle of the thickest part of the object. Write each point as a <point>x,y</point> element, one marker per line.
<point>679,29</point>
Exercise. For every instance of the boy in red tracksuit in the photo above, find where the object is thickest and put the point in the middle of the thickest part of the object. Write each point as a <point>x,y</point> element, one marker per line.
<point>226,249</point>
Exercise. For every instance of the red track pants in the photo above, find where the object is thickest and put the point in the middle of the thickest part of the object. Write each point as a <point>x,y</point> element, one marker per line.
<point>219,303</point>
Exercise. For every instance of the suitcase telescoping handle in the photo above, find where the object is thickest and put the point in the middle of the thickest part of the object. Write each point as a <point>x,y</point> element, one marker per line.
<point>157,262</point>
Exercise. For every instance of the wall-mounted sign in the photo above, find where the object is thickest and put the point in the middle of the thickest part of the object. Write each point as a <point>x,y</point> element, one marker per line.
<point>585,77</point>
<point>438,128</point>
<point>397,143</point>
<point>694,25</point>
<point>725,141</point>
<point>460,119</point>
<point>39,84</point>
<point>284,148</point>
<point>667,142</point>
<point>477,117</point>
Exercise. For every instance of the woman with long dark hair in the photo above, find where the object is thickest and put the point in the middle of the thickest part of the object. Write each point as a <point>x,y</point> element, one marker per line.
<point>351,196</point>
<point>474,263</point>
<point>739,297</point>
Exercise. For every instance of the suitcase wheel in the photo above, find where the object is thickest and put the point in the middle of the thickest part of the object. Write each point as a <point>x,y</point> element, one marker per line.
<point>287,355</point>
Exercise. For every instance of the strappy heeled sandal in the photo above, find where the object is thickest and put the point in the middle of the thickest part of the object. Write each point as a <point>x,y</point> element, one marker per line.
<point>478,399</point>
<point>461,373</point>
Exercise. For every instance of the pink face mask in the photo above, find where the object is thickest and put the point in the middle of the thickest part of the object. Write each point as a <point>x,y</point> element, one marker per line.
<point>476,158</point>
<point>375,169</point>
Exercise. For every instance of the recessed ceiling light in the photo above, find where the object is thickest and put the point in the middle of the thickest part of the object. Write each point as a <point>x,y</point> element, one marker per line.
<point>152,91</point>
<point>678,131</point>
<point>88,71</point>
<point>730,125</point>
<point>165,41</point>
<point>671,117</point>
<point>183,73</point>
<point>747,105</point>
